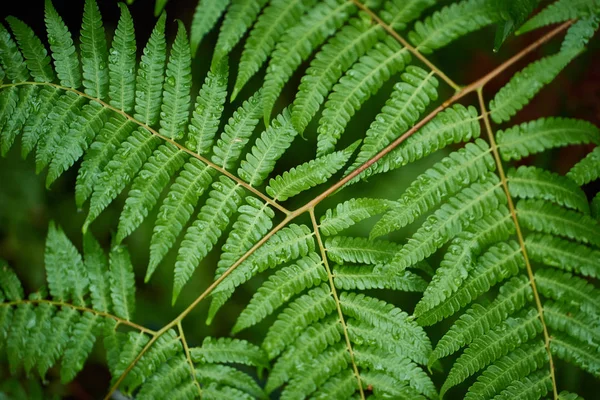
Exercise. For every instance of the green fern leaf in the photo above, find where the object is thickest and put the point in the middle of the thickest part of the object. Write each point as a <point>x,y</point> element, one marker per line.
<point>64,54</point>
<point>79,347</point>
<point>203,234</point>
<point>280,287</point>
<point>340,386</point>
<point>498,342</point>
<point>579,34</point>
<point>176,95</point>
<point>32,129</point>
<point>452,217</point>
<point>205,17</point>
<point>576,324</point>
<point>454,125</point>
<point>358,84</point>
<point>341,249</point>
<point>227,350</point>
<point>66,275</point>
<point>363,277</point>
<point>10,283</point>
<point>478,320</point>
<point>130,347</point>
<point>525,84</point>
<point>297,316</point>
<point>561,10</point>
<point>445,178</point>
<point>336,56</point>
<point>208,110</point>
<point>267,149</point>
<point>239,17</point>
<point>275,19</point>
<point>34,52</point>
<point>237,132</point>
<point>498,263</point>
<point>17,117</point>
<point>8,104</point>
<point>351,212</point>
<point>546,133</point>
<point>150,76</point>
<point>584,356</point>
<point>386,386</point>
<point>522,361</point>
<point>568,289</point>
<point>120,170</point>
<point>15,340</point>
<point>532,387</point>
<point>586,170</point>
<point>563,254</point>
<point>147,187</point>
<point>94,53</point>
<point>309,174</point>
<point>564,395</point>
<point>166,379</point>
<point>452,22</point>
<point>122,283</point>
<point>96,265</point>
<point>113,342</point>
<point>57,339</point>
<point>299,42</point>
<point>536,183</point>
<point>228,377</point>
<point>177,209</point>
<point>121,63</point>
<point>11,59</point>
<point>31,347</point>
<point>549,218</point>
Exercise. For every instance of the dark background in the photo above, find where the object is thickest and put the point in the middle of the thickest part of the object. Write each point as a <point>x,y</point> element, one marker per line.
<point>26,207</point>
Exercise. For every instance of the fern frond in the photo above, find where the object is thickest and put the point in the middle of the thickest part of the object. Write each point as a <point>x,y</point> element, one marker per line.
<point>203,234</point>
<point>205,17</point>
<point>64,54</point>
<point>525,84</point>
<point>498,342</point>
<point>299,42</point>
<point>10,283</point>
<point>11,59</point>
<point>571,290</point>
<point>358,84</point>
<point>275,19</point>
<point>364,277</point>
<point>452,22</point>
<point>452,217</point>
<point>170,375</point>
<point>351,212</point>
<point>228,377</point>
<point>531,387</point>
<point>536,183</point>
<point>549,218</point>
<point>522,361</point>
<point>563,254</point>
<point>587,169</point>
<point>34,52</point>
<point>177,209</point>
<point>176,90</point>
<point>79,347</point>
<point>543,134</point>
<point>309,174</point>
<point>96,265</point>
<point>208,110</point>
<point>17,113</point>
<point>121,63</point>
<point>558,11</point>
<point>453,125</point>
<point>227,350</point>
<point>122,283</point>
<point>582,355</point>
<point>445,178</point>
<point>576,324</point>
<point>94,52</point>
<point>280,287</point>
<point>342,249</point>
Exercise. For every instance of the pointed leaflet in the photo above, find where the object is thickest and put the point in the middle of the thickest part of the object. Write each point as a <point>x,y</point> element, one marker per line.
<point>121,63</point>
<point>94,53</point>
<point>228,350</point>
<point>512,14</point>
<point>543,134</point>
<point>559,11</point>
<point>350,212</point>
<point>10,283</point>
<point>202,235</point>
<point>571,290</point>
<point>364,277</point>
<point>208,110</point>
<point>298,43</point>
<point>79,347</point>
<point>276,18</point>
<point>122,283</point>
<point>579,34</point>
<point>177,208</point>
<point>63,52</point>
<point>149,79</point>
<point>176,95</point>
<point>587,169</point>
<point>205,17</point>
<point>341,249</point>
<point>96,265</point>
<point>34,125</point>
<point>17,117</point>
<point>36,56</point>
<point>309,174</point>
<point>228,377</point>
<point>11,59</point>
<point>406,103</point>
<point>359,83</point>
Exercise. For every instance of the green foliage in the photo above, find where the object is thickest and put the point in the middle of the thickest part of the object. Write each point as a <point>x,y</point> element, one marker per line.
<point>514,248</point>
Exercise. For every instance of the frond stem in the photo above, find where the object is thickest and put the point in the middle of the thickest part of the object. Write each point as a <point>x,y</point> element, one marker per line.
<point>337,300</point>
<point>513,212</point>
<point>82,309</point>
<point>166,139</point>
<point>407,45</point>
<point>188,357</point>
